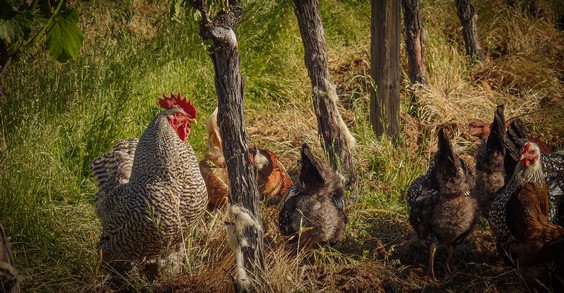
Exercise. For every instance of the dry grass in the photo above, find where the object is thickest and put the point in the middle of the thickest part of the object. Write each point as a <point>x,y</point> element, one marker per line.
<point>55,242</point>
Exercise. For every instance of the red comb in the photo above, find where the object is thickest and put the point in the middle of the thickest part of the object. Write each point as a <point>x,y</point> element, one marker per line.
<point>186,105</point>
<point>526,147</point>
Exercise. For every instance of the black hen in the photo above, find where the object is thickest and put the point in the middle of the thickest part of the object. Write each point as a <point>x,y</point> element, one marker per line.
<point>441,210</point>
<point>314,206</point>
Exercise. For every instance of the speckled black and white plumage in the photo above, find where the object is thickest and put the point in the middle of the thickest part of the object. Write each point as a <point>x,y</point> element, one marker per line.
<point>314,204</point>
<point>498,216</point>
<point>441,210</point>
<point>150,191</point>
<point>553,170</point>
<point>552,165</point>
<point>519,220</point>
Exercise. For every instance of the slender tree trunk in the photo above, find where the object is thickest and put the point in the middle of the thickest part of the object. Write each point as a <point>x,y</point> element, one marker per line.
<point>468,18</point>
<point>336,136</point>
<point>414,40</point>
<point>246,233</point>
<point>385,59</point>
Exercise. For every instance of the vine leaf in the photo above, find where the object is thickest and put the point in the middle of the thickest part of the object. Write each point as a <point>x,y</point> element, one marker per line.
<point>15,26</point>
<point>64,39</point>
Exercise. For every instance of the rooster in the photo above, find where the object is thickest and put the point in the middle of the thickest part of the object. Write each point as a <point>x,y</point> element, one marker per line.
<point>441,210</point>
<point>519,219</point>
<point>150,191</point>
<point>552,165</point>
<point>314,207</point>
<point>272,180</point>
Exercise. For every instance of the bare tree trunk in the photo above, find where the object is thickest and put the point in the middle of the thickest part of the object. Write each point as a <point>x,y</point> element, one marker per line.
<point>336,136</point>
<point>385,51</point>
<point>8,277</point>
<point>468,18</point>
<point>246,234</point>
<point>414,40</point>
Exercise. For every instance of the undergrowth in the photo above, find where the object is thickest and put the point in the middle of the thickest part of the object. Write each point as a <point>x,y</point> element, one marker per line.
<point>57,118</point>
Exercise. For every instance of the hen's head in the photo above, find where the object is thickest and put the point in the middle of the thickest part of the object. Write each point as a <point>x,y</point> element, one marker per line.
<point>530,155</point>
<point>182,116</point>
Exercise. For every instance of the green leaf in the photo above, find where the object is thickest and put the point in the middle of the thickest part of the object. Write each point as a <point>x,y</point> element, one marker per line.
<point>16,28</point>
<point>64,39</point>
<point>25,20</point>
<point>9,32</point>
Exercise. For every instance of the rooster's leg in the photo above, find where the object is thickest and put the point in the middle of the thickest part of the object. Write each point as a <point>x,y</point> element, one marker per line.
<point>432,249</point>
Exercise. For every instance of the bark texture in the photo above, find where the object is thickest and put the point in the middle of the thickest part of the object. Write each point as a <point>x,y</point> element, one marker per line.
<point>246,234</point>
<point>336,136</point>
<point>414,40</point>
<point>385,59</point>
<point>468,19</point>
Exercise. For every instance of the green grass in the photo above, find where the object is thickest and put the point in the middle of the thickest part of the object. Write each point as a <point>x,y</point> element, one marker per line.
<point>57,118</point>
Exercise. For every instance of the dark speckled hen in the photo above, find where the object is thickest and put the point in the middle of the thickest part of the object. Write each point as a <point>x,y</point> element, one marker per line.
<point>490,161</point>
<point>441,210</point>
<point>314,206</point>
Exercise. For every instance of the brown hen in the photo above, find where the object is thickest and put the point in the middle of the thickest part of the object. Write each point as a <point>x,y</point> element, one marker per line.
<point>272,180</point>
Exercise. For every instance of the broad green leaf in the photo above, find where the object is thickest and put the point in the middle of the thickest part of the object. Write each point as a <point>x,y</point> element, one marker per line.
<point>15,26</point>
<point>9,32</point>
<point>64,39</point>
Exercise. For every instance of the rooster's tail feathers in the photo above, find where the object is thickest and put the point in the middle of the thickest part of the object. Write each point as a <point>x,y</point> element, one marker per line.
<point>114,168</point>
